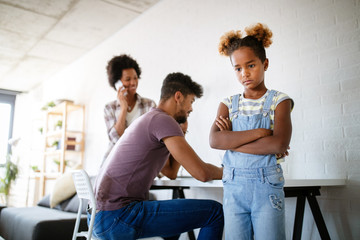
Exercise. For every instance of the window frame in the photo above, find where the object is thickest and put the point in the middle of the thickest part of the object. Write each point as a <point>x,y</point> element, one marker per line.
<point>9,97</point>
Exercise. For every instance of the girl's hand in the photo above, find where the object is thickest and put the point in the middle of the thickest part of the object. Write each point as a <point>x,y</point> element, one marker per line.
<point>121,93</point>
<point>281,155</point>
<point>224,124</point>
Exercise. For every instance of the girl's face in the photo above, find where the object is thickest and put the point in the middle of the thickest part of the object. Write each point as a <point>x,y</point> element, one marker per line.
<point>249,69</point>
<point>130,80</point>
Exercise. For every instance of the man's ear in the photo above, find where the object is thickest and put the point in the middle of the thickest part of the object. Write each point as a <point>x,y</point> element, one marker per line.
<point>178,97</point>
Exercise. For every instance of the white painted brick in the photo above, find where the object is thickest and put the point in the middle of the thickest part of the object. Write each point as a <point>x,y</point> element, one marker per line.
<point>342,50</point>
<point>304,102</point>
<point>329,64</point>
<point>295,155</point>
<point>323,89</point>
<point>324,19</point>
<point>345,10</point>
<point>300,6</point>
<point>353,155</point>
<point>345,120</point>
<point>352,107</point>
<point>308,40</point>
<point>352,170</point>
<point>322,111</point>
<point>349,37</point>
<point>351,84</point>
<point>315,170</point>
<point>309,77</point>
<point>308,58</point>
<point>341,144</point>
<point>336,169</point>
<point>327,156</point>
<point>351,59</point>
<point>297,170</point>
<point>352,131</point>
<point>324,133</point>
<point>315,123</point>
<point>343,97</point>
<point>287,12</point>
<point>326,39</point>
<point>285,167</point>
<point>310,146</point>
<point>343,73</point>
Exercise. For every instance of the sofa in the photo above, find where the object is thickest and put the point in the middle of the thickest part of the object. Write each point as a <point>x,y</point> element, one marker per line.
<point>42,222</point>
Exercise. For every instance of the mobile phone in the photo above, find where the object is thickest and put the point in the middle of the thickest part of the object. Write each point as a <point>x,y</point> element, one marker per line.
<point>119,85</point>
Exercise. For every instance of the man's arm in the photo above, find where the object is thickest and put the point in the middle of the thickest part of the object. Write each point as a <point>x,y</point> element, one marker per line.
<point>171,168</point>
<point>186,156</point>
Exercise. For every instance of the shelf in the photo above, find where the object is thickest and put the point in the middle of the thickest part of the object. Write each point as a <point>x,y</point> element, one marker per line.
<point>68,140</point>
<point>58,152</point>
<point>58,133</point>
<point>60,108</point>
<point>47,175</point>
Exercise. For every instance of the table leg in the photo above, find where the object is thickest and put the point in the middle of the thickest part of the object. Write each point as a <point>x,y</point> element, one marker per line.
<point>299,217</point>
<point>319,220</point>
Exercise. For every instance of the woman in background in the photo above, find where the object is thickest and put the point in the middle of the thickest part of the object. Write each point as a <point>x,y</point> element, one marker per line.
<point>123,75</point>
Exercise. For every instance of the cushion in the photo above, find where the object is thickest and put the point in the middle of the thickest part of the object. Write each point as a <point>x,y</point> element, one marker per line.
<point>72,205</point>
<point>63,189</point>
<point>45,202</point>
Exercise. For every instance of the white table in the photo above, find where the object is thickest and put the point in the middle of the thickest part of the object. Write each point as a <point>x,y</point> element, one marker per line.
<point>302,189</point>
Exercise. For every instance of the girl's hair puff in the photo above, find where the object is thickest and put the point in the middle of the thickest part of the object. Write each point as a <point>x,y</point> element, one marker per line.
<point>258,38</point>
<point>261,32</point>
<point>228,42</point>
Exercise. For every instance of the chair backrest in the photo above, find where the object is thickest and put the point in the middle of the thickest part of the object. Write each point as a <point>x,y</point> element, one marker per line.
<point>84,191</point>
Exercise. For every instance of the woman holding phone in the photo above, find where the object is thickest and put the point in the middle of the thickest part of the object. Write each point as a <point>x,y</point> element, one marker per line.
<point>123,75</point>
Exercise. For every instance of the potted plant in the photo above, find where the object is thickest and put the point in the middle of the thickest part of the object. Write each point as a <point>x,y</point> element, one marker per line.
<point>58,125</point>
<point>48,105</point>
<point>11,171</point>
<point>35,168</point>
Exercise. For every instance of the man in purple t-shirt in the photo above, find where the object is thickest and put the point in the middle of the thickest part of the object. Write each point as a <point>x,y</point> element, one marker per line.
<point>122,186</point>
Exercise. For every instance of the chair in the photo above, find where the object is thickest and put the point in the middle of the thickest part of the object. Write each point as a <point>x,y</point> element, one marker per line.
<point>84,191</point>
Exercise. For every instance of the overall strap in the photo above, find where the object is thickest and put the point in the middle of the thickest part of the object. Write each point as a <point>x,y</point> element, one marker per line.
<point>268,102</point>
<point>235,104</point>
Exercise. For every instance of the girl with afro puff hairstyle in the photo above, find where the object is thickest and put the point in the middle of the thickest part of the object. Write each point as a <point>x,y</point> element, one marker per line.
<point>255,130</point>
<point>123,75</point>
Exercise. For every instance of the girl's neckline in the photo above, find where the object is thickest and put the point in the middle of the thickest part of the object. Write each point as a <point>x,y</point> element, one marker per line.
<point>243,96</point>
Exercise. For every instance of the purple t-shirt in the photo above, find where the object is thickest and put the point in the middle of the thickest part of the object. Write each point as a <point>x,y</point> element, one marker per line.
<point>136,159</point>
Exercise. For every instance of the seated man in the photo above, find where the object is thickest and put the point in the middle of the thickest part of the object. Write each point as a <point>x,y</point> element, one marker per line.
<point>123,183</point>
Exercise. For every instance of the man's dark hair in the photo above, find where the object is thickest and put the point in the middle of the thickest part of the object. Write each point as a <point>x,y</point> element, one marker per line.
<point>179,82</point>
<point>116,66</point>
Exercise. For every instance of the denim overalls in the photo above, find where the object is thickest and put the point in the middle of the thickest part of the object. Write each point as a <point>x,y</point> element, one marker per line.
<point>253,185</point>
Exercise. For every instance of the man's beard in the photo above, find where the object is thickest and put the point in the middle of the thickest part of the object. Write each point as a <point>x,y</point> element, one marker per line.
<point>181,117</point>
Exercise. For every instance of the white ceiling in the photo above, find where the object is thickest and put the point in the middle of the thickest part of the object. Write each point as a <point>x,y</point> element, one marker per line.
<point>40,37</point>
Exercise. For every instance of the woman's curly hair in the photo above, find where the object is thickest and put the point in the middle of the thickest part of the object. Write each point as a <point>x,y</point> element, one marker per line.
<point>116,66</point>
<point>258,38</point>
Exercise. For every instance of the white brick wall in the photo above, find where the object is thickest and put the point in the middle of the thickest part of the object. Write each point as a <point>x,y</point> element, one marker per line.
<point>315,58</point>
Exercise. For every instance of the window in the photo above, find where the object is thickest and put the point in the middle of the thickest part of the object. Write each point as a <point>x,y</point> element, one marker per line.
<point>7,104</point>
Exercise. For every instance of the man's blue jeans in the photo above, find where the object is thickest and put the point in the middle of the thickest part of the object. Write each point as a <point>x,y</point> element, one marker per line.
<point>161,218</point>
